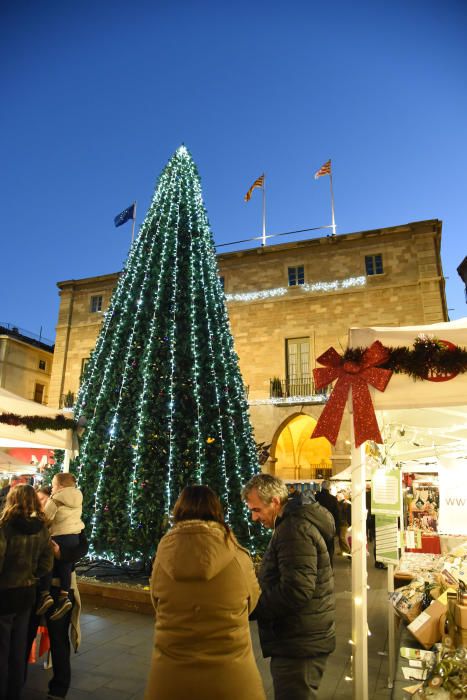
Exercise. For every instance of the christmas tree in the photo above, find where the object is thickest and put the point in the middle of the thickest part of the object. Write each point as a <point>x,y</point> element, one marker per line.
<point>162,394</point>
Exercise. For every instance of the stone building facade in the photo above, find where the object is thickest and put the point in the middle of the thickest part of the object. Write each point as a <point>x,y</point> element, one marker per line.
<point>25,363</point>
<point>287,304</point>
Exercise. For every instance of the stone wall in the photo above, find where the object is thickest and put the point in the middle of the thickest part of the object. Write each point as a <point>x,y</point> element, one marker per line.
<point>409,291</point>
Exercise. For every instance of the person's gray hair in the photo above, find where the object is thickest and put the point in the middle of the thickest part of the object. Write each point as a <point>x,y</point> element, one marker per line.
<point>267,486</point>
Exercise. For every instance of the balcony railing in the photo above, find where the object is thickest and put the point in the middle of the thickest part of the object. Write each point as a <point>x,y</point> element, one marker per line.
<point>16,332</point>
<point>290,387</point>
<point>309,472</point>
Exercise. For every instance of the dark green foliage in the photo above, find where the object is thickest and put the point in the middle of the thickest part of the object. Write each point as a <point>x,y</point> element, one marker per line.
<point>52,469</point>
<point>276,387</point>
<point>429,356</point>
<point>162,394</point>
<point>33,423</point>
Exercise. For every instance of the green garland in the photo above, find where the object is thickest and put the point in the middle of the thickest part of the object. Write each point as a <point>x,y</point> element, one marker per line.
<point>33,423</point>
<point>429,355</point>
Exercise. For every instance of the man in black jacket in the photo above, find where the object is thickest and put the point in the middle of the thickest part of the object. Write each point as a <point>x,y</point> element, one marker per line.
<point>326,499</point>
<point>296,609</point>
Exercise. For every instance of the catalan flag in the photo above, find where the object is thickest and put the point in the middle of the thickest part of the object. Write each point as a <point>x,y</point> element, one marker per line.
<point>257,183</point>
<point>324,170</point>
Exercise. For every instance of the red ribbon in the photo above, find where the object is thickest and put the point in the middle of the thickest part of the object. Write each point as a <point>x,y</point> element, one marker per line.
<point>355,375</point>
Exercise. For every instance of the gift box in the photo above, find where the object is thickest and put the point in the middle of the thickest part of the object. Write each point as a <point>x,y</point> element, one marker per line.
<point>426,627</point>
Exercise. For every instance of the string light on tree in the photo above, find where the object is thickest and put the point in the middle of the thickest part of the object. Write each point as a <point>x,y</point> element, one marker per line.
<point>162,393</point>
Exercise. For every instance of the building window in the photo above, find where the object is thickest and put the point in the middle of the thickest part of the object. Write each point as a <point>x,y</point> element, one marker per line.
<point>296,275</point>
<point>374,264</point>
<point>84,363</point>
<point>39,393</point>
<point>42,364</point>
<point>96,304</point>
<point>298,367</point>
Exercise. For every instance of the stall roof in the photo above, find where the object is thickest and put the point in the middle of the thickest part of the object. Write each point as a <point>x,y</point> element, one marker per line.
<point>20,436</point>
<point>8,463</point>
<point>403,392</point>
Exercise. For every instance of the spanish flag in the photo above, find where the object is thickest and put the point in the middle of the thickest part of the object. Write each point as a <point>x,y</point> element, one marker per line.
<point>257,183</point>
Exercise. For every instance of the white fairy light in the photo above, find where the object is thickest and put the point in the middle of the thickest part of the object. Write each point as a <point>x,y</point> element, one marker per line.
<point>333,286</point>
<point>146,284</point>
<point>310,398</point>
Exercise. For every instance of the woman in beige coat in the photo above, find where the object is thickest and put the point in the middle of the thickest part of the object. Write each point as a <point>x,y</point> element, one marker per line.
<point>203,588</point>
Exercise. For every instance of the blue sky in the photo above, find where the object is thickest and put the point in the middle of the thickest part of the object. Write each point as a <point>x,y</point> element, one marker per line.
<point>96,96</point>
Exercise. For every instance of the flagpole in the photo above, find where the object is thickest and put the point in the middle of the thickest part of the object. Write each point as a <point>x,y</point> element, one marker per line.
<point>264,210</point>
<point>332,206</point>
<point>133,226</point>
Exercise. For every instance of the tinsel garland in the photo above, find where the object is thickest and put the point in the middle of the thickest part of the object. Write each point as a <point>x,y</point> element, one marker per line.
<point>427,355</point>
<point>33,423</point>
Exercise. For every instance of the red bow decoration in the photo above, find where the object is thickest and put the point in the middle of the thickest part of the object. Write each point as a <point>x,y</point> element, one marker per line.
<point>356,375</point>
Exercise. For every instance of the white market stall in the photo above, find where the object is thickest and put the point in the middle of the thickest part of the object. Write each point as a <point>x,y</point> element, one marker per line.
<point>20,436</point>
<point>438,404</point>
<point>12,465</point>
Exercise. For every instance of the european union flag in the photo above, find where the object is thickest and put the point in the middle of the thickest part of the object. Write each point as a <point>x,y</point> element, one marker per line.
<point>125,216</point>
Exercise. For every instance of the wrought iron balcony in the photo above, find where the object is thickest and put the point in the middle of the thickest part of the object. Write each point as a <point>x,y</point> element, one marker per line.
<point>295,388</point>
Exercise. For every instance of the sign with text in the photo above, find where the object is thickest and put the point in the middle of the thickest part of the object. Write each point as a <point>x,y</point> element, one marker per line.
<point>386,492</point>
<point>452,496</point>
<point>387,539</point>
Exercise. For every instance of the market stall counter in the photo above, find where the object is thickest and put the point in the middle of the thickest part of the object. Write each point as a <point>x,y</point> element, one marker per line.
<point>432,644</point>
<point>410,664</point>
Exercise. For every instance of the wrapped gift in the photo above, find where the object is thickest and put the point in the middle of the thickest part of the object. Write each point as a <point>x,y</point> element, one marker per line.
<point>426,627</point>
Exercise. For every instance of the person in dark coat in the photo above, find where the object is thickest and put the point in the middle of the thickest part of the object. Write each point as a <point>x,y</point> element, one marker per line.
<point>15,481</point>
<point>296,609</point>
<point>59,630</point>
<point>345,521</point>
<point>25,554</point>
<point>330,502</point>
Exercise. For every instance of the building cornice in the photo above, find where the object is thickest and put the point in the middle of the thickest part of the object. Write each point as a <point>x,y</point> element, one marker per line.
<point>415,227</point>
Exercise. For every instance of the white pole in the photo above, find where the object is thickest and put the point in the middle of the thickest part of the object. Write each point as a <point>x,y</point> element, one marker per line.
<point>133,226</point>
<point>332,206</point>
<point>66,461</point>
<point>391,630</point>
<point>264,210</point>
<point>359,572</point>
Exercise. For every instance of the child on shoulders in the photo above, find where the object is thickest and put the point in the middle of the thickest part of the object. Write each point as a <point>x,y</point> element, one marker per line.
<point>63,510</point>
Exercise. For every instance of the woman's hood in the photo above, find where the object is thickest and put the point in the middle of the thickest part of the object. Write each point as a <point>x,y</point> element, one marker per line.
<point>195,550</point>
<point>69,496</point>
<point>26,526</point>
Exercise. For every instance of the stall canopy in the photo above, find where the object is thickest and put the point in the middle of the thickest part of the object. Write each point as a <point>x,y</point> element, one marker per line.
<point>417,420</point>
<point>20,436</point>
<point>11,465</point>
<point>402,391</point>
<point>422,418</point>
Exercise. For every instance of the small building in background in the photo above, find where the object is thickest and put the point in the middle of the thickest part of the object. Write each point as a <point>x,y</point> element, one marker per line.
<point>25,363</point>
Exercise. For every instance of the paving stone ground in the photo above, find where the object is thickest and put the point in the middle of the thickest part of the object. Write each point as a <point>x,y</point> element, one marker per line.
<point>113,660</point>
